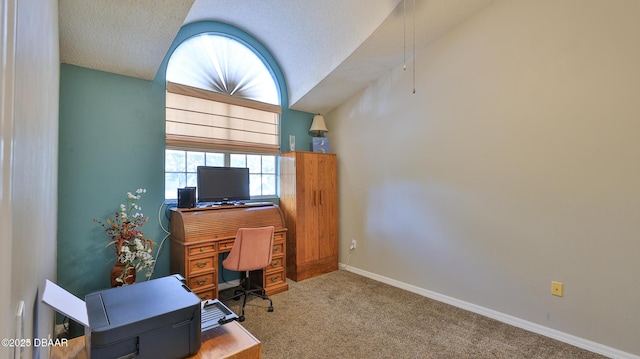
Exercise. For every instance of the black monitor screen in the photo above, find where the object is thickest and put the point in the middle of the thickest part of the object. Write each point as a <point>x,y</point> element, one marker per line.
<point>223,184</point>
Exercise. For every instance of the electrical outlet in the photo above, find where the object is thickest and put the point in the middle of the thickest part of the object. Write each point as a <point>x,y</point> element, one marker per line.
<point>556,288</point>
<point>353,244</point>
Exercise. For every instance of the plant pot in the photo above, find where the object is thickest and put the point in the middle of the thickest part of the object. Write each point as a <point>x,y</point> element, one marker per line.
<point>126,279</point>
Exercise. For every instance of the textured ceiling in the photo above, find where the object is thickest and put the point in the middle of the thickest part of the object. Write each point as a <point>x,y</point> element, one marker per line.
<point>308,38</point>
<point>327,49</point>
<point>126,37</point>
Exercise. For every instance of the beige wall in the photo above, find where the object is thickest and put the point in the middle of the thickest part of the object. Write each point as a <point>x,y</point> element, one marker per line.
<point>29,163</point>
<point>517,162</point>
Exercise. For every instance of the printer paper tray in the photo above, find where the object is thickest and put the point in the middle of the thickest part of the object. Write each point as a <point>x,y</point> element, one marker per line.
<point>215,313</point>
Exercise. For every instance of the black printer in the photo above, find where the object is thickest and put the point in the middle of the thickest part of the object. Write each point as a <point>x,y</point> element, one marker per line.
<point>160,318</point>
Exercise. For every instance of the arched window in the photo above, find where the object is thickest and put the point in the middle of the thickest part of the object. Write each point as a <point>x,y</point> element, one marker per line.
<point>221,64</point>
<point>222,109</point>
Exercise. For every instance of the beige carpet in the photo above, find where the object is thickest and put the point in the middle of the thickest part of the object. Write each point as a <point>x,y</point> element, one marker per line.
<point>344,315</point>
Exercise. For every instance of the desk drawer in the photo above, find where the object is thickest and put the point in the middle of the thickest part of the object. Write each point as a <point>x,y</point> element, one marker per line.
<point>203,249</point>
<point>274,278</point>
<point>277,264</point>
<point>278,248</point>
<point>197,282</point>
<point>225,246</point>
<point>278,245</point>
<point>207,294</point>
<point>200,265</point>
<point>270,281</point>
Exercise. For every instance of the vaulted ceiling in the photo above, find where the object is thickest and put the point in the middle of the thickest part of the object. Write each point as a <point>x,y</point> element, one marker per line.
<point>328,50</point>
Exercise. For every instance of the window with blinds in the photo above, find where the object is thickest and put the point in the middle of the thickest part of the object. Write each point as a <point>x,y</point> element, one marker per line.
<point>202,119</point>
<point>222,109</point>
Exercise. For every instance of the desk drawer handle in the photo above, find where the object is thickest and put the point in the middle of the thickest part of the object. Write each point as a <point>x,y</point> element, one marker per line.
<point>275,263</point>
<point>275,278</point>
<point>201,281</point>
<point>275,249</point>
<point>201,249</point>
<point>201,264</point>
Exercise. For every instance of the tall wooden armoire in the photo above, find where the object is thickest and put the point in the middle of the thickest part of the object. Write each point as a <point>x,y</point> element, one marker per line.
<point>309,202</point>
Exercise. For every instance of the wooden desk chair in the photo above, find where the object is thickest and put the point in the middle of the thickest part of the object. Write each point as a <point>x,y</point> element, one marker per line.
<point>251,250</point>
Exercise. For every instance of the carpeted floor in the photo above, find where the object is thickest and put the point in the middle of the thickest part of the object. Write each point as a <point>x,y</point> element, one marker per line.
<point>344,315</point>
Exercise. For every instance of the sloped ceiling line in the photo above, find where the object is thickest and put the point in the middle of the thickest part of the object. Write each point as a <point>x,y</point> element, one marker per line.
<point>328,50</point>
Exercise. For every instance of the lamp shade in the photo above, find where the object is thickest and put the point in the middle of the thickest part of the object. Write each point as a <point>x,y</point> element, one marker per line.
<point>318,124</point>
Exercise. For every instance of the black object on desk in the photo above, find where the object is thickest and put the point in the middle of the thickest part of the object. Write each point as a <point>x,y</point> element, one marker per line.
<point>159,318</point>
<point>186,197</point>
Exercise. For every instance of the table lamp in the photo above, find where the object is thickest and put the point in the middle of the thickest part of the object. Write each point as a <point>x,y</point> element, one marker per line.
<point>319,143</point>
<point>318,125</point>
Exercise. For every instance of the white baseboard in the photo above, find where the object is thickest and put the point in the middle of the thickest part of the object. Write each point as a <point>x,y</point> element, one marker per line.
<point>501,317</point>
<point>229,284</point>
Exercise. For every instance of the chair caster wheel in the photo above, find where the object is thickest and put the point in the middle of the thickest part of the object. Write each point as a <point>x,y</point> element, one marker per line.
<point>270,309</point>
<point>241,318</point>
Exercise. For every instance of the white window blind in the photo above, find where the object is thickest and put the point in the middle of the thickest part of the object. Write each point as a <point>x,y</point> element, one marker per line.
<point>202,119</point>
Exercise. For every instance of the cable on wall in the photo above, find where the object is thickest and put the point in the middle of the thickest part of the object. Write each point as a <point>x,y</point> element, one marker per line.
<point>167,234</point>
<point>413,41</point>
<point>404,35</point>
<point>414,46</point>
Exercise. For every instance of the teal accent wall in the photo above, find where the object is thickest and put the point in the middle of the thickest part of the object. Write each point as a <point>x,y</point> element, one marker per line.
<point>297,123</point>
<point>112,141</point>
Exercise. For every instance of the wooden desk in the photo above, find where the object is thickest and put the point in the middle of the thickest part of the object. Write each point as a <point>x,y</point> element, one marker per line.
<point>198,235</point>
<point>74,349</point>
<point>229,341</point>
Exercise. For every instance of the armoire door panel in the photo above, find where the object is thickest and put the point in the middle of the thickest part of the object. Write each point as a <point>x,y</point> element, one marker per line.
<point>312,214</point>
<point>308,231</point>
<point>327,210</point>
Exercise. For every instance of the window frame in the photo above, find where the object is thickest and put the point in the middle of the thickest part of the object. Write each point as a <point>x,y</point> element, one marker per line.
<point>204,146</point>
<point>227,163</point>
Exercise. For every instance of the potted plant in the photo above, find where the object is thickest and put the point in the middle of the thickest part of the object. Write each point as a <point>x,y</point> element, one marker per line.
<point>133,251</point>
